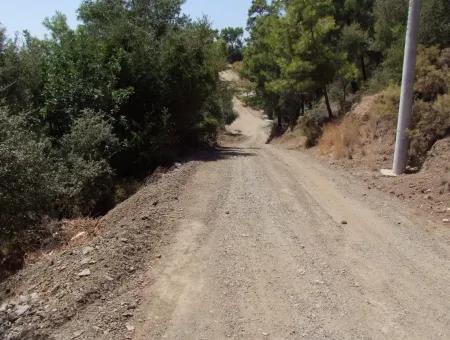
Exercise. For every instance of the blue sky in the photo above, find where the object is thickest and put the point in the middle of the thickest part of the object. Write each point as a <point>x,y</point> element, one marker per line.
<point>17,15</point>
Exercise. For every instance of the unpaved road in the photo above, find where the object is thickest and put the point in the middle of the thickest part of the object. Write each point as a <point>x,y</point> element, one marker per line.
<point>261,252</point>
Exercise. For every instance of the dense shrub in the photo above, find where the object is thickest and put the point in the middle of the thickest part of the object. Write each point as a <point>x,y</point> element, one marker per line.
<point>312,126</point>
<point>87,109</point>
<point>431,113</point>
<point>27,173</point>
<point>85,175</point>
<point>431,122</point>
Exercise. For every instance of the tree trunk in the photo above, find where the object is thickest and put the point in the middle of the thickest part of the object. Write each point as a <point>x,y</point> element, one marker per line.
<point>327,102</point>
<point>363,68</point>
<point>280,121</point>
<point>344,90</point>
<point>302,108</point>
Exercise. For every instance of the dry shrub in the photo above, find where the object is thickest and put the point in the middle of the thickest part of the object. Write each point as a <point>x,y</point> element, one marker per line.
<point>341,138</point>
<point>386,104</point>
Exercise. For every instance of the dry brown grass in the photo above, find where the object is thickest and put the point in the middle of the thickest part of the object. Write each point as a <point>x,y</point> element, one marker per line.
<point>340,139</point>
<point>344,138</point>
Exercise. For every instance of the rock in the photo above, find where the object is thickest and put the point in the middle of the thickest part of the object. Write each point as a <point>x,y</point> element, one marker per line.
<point>3,307</point>
<point>123,240</point>
<point>84,273</point>
<point>129,327</point>
<point>87,250</point>
<point>23,299</point>
<point>85,261</point>
<point>78,236</point>
<point>34,297</point>
<point>227,212</point>
<point>265,334</point>
<point>109,278</point>
<point>77,334</point>
<point>21,309</point>
<point>158,256</point>
<point>344,222</point>
<point>446,220</point>
<point>155,203</point>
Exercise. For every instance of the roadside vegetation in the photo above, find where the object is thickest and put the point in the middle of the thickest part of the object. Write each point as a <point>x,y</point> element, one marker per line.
<point>311,60</point>
<point>85,113</point>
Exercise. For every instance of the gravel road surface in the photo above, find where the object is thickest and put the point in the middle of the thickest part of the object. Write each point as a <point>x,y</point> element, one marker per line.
<point>272,244</point>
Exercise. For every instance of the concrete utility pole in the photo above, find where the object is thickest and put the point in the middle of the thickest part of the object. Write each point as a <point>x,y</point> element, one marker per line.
<point>406,99</point>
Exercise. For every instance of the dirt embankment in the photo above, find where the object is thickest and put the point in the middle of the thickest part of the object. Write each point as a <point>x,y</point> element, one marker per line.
<point>97,281</point>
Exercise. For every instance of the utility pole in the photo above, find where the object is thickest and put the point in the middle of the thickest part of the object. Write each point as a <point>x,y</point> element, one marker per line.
<point>406,99</point>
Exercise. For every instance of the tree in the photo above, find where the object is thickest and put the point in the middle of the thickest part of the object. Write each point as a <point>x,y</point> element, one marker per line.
<point>232,36</point>
<point>314,63</point>
<point>260,61</point>
<point>437,30</point>
<point>355,42</point>
<point>134,85</point>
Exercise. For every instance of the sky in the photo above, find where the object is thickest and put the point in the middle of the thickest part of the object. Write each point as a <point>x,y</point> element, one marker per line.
<point>18,15</point>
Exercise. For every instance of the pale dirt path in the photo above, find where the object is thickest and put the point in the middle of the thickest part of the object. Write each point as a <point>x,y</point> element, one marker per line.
<point>261,253</point>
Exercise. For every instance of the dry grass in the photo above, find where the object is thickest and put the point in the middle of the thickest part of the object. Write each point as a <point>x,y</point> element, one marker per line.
<point>340,139</point>
<point>351,134</point>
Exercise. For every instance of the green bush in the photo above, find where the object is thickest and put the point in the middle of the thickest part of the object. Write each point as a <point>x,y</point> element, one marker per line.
<point>311,125</point>
<point>27,173</point>
<point>431,114</point>
<point>431,122</point>
<point>131,87</point>
<point>85,175</point>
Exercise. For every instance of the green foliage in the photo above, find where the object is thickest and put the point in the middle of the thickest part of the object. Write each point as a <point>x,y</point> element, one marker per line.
<point>311,125</point>
<point>232,36</point>
<point>132,86</point>
<point>431,113</point>
<point>27,172</point>
<point>435,23</point>
<point>432,77</point>
<point>390,29</point>
<point>293,55</point>
<point>85,175</point>
<point>431,122</point>
<point>302,51</point>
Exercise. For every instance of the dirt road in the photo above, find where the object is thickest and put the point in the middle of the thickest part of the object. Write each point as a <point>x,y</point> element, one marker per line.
<point>271,244</point>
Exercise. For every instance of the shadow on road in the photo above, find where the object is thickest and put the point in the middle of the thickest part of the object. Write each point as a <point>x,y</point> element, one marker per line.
<point>221,153</point>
